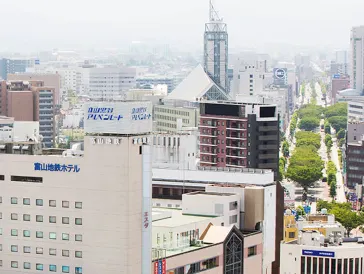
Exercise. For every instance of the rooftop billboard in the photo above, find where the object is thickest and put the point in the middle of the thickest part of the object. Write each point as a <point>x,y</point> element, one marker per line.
<point>124,117</point>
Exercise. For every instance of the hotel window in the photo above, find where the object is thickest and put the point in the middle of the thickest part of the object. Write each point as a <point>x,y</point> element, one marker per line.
<point>14,264</point>
<point>26,201</point>
<point>14,216</point>
<point>78,270</point>
<point>1,247</point>
<point>39,250</point>
<point>39,202</point>
<point>26,249</point>
<point>65,220</point>
<point>53,251</point>
<point>14,232</point>
<point>78,254</point>
<point>78,205</point>
<point>52,203</point>
<point>65,253</point>
<point>26,217</point>
<point>1,200</point>
<point>39,218</point>
<point>14,200</point>
<point>65,236</point>
<point>78,238</point>
<point>52,219</point>
<point>52,235</point>
<point>14,248</point>
<point>39,266</point>
<point>39,234</point>
<point>52,268</point>
<point>26,233</point>
<point>26,265</point>
<point>78,221</point>
<point>252,251</point>
<point>65,204</point>
<point>65,269</point>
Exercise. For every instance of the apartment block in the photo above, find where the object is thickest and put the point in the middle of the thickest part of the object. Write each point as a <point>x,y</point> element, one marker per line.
<point>239,135</point>
<point>30,101</point>
<point>49,80</point>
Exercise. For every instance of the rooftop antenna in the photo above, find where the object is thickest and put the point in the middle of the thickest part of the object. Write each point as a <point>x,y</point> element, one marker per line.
<point>214,15</point>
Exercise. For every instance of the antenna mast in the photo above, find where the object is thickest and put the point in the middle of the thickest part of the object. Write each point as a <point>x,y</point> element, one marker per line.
<point>214,16</point>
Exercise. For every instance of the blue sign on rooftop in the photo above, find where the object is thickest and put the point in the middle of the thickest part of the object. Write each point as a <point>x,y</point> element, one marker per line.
<point>318,253</point>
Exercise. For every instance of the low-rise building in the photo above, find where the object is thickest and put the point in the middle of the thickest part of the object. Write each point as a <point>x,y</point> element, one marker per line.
<point>312,253</point>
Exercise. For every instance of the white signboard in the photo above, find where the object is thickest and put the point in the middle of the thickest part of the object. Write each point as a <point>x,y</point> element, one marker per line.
<point>124,117</point>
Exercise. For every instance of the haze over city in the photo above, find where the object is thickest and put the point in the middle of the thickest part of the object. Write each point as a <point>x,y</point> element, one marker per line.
<point>182,137</point>
<point>251,24</point>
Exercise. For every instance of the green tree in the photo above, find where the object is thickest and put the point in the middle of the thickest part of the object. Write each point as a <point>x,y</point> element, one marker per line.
<point>282,165</point>
<point>308,138</point>
<point>339,109</point>
<point>341,134</point>
<point>310,111</point>
<point>348,218</point>
<point>309,123</point>
<point>285,149</point>
<point>333,190</point>
<point>338,122</point>
<point>327,127</point>
<point>305,167</point>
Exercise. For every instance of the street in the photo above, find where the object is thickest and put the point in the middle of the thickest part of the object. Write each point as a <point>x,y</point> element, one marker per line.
<point>320,189</point>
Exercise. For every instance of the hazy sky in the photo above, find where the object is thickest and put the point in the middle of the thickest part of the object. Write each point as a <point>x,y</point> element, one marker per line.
<point>45,24</point>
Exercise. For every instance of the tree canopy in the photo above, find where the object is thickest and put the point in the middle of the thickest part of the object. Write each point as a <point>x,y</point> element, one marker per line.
<point>308,138</point>
<point>305,167</point>
<point>310,110</point>
<point>338,122</point>
<point>339,109</point>
<point>309,123</point>
<point>343,214</point>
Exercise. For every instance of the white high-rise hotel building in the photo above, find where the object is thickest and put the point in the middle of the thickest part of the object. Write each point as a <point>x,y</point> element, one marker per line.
<point>357,50</point>
<point>89,213</point>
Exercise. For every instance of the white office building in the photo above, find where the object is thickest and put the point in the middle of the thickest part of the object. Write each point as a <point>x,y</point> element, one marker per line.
<point>248,77</point>
<point>108,83</point>
<point>82,212</point>
<point>357,50</point>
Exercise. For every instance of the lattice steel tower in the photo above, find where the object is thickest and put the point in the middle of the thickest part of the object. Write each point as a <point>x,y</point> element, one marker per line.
<point>216,49</point>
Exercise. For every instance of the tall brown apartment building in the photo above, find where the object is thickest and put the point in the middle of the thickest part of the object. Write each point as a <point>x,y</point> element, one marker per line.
<point>30,101</point>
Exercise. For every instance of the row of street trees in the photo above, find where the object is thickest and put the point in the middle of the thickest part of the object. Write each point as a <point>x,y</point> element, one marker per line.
<point>305,165</point>
<point>336,117</point>
<point>309,117</point>
<point>331,178</point>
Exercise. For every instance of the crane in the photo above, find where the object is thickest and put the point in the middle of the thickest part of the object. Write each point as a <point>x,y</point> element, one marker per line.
<point>214,15</point>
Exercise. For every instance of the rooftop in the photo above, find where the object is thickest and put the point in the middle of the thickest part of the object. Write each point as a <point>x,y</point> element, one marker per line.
<point>210,175</point>
<point>210,193</point>
<point>196,86</point>
<point>176,218</point>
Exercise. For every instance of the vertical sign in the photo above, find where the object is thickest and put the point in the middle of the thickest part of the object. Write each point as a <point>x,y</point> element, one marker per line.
<point>155,267</point>
<point>147,208</point>
<point>160,268</point>
<point>164,266</point>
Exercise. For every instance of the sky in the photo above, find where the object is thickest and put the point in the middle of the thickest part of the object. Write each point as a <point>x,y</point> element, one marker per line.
<point>44,24</point>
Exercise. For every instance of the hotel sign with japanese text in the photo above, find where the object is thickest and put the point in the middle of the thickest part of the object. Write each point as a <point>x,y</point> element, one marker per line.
<point>56,167</point>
